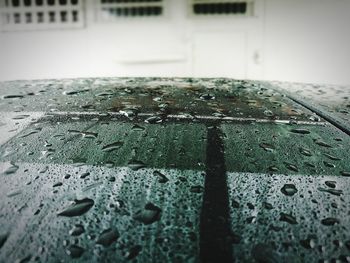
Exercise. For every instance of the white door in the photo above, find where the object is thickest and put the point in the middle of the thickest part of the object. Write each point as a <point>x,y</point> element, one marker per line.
<point>221,54</point>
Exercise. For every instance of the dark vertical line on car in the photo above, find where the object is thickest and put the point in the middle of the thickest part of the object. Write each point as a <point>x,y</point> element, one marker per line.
<point>215,245</point>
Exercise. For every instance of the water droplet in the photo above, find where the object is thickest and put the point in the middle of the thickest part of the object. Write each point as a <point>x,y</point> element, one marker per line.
<point>91,186</point>
<point>268,113</point>
<point>250,206</point>
<point>47,144</point>
<point>20,117</point>
<point>347,244</point>
<point>305,151</point>
<point>10,168</point>
<point>196,189</point>
<point>133,252</point>
<point>137,128</point>
<point>111,179</point>
<point>77,230</point>
<point>252,102</point>
<point>74,131</point>
<point>322,143</point>
<point>129,112</point>
<point>14,193</point>
<point>235,204</point>
<point>14,96</point>
<point>109,164</point>
<point>44,169</point>
<point>157,99</point>
<point>163,107</point>
<point>7,152</point>
<point>78,208</point>
<point>113,146</point>
<point>74,92</point>
<point>308,243</point>
<point>331,184</point>
<point>310,165</point>
<point>48,152</point>
<point>276,228</point>
<point>136,165</point>
<point>89,135</point>
<point>104,94</point>
<point>149,214</point>
<point>314,118</point>
<point>289,189</point>
<point>267,147</point>
<point>267,205</point>
<point>332,157</point>
<point>288,218</point>
<point>331,191</point>
<point>330,165</point>
<point>161,177</point>
<point>291,167</point>
<point>300,131</point>
<point>84,175</point>
<point>107,237</point>
<point>75,251</point>
<point>338,243</point>
<point>330,221</point>
<point>3,238</point>
<point>273,168</point>
<point>88,107</point>
<point>30,132</point>
<point>345,173</point>
<point>154,119</point>
<point>207,97</point>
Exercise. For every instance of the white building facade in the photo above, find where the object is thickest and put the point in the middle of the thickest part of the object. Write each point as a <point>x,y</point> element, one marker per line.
<point>287,40</point>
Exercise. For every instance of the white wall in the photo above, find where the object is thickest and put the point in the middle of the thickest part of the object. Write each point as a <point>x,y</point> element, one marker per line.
<point>291,40</point>
<point>307,41</point>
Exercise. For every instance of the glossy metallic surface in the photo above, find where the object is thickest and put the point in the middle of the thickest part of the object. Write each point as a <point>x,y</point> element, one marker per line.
<point>170,170</point>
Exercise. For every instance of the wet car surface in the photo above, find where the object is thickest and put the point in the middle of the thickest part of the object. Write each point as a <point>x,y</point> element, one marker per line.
<point>173,170</point>
<point>329,100</point>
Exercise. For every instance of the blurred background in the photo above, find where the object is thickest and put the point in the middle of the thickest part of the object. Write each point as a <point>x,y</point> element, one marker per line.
<point>286,40</point>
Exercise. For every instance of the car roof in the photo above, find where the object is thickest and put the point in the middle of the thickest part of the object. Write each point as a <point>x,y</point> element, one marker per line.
<point>173,169</point>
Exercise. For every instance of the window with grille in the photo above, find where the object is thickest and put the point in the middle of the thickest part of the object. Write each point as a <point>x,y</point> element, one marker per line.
<point>222,7</point>
<point>41,14</point>
<point>114,9</point>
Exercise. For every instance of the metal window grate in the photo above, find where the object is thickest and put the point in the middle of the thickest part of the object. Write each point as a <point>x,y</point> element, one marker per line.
<point>41,14</point>
<point>226,7</point>
<point>114,9</point>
